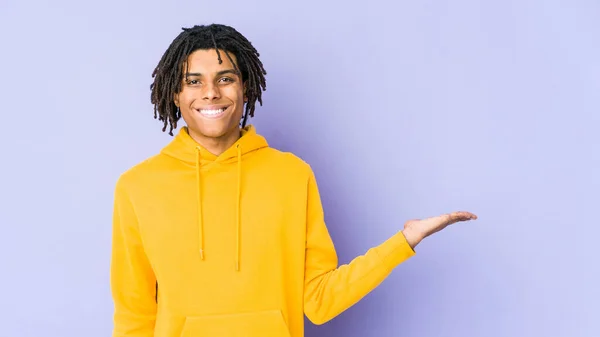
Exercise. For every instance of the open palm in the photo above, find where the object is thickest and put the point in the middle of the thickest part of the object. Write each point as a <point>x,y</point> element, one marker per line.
<point>417,230</point>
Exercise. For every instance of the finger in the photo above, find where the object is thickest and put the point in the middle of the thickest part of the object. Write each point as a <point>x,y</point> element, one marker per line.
<point>450,218</point>
<point>455,217</point>
<point>462,216</point>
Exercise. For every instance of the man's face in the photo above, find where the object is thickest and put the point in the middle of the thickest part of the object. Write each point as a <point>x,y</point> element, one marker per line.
<point>212,96</point>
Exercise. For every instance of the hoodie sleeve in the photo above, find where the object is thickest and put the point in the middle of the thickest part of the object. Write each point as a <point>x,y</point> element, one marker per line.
<point>133,284</point>
<point>329,289</point>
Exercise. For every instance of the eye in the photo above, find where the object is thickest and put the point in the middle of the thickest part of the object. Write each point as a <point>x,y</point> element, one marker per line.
<point>227,80</point>
<point>193,82</point>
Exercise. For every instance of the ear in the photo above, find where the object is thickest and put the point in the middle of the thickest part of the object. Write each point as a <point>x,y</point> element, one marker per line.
<point>176,99</point>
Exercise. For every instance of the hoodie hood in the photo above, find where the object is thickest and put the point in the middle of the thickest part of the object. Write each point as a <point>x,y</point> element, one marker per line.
<point>184,148</point>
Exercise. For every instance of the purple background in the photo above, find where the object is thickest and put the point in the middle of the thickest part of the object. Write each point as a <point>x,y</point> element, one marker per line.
<point>405,110</point>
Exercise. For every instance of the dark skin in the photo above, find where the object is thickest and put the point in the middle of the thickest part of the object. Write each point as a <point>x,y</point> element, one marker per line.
<point>207,87</point>
<point>417,230</point>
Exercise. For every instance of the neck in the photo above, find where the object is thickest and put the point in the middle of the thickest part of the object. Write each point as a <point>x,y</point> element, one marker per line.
<point>216,145</point>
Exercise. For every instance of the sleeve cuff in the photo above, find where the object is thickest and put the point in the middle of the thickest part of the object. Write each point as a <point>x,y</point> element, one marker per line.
<point>395,250</point>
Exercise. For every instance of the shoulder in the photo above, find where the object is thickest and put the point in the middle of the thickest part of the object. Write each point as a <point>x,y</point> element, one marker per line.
<point>286,161</point>
<point>140,172</point>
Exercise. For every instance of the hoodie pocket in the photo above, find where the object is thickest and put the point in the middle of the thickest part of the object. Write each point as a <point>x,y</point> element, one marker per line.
<point>254,324</point>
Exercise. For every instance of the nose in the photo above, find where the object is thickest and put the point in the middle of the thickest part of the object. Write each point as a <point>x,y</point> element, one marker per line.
<point>211,92</point>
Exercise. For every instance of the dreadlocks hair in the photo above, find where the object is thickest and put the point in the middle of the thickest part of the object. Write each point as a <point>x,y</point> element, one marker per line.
<point>168,74</point>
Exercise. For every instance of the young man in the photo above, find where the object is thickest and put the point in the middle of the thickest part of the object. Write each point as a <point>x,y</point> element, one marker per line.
<point>219,234</point>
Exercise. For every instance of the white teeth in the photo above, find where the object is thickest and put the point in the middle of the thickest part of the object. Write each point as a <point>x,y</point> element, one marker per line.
<point>211,112</point>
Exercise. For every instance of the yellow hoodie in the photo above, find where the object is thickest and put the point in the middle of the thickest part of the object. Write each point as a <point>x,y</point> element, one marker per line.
<point>230,245</point>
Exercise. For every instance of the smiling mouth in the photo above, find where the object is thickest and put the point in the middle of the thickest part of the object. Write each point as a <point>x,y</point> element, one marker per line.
<point>212,113</point>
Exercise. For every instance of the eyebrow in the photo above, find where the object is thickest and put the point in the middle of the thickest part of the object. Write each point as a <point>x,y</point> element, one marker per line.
<point>222,72</point>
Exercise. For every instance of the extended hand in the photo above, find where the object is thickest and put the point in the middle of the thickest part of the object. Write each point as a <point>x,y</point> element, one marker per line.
<point>417,230</point>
